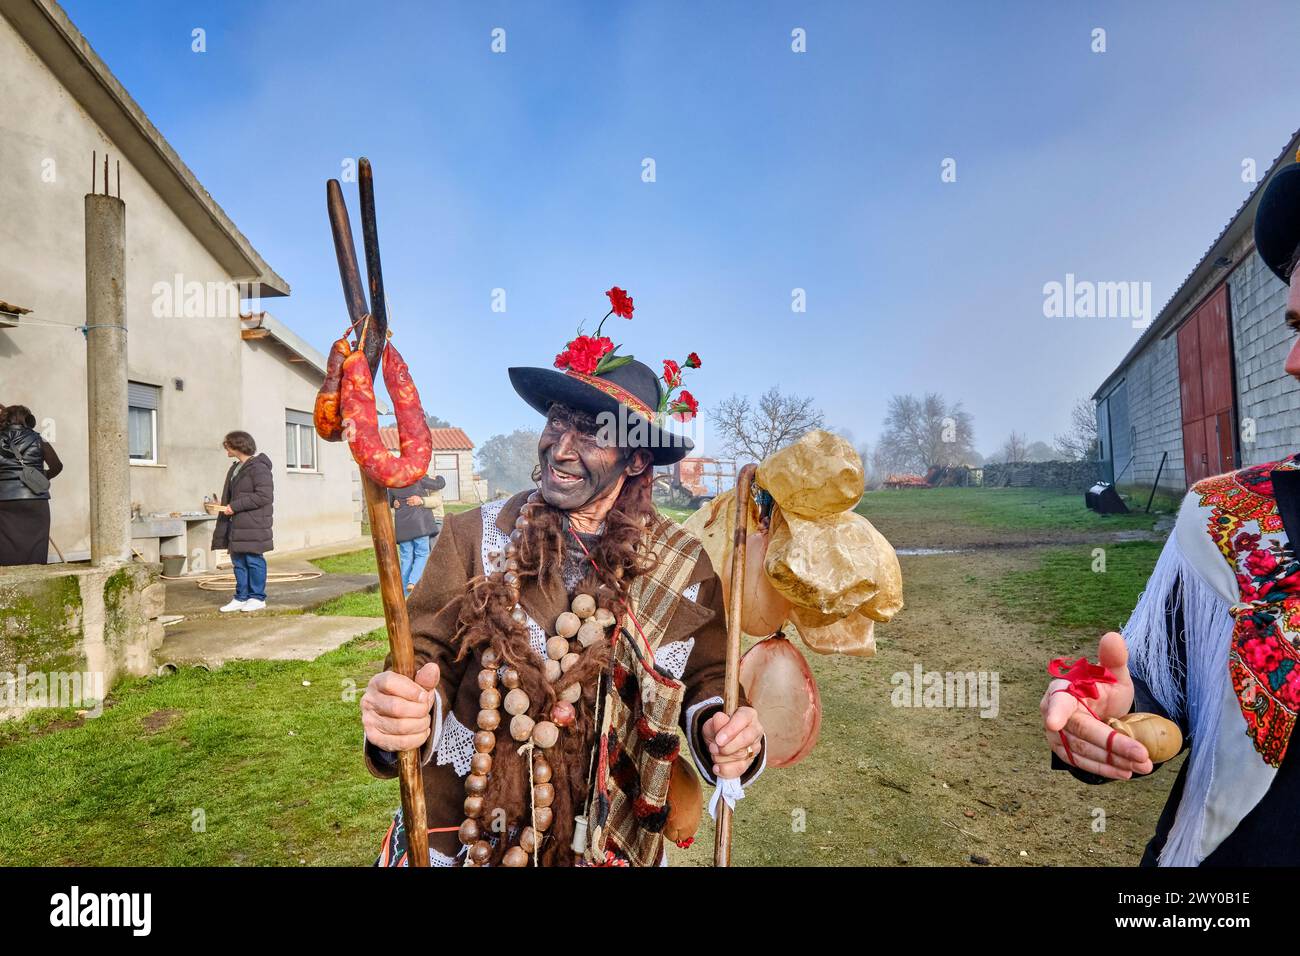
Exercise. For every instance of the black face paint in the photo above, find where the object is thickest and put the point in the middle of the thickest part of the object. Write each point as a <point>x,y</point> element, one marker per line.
<point>577,467</point>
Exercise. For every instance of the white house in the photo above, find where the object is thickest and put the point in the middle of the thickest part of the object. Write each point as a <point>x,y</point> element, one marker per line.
<point>203,357</point>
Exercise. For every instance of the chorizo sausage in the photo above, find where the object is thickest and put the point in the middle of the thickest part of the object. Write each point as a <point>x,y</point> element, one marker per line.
<point>361,421</point>
<point>327,414</point>
<point>412,429</point>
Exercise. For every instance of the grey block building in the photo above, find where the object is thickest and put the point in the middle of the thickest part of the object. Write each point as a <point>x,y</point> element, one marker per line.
<point>1203,388</point>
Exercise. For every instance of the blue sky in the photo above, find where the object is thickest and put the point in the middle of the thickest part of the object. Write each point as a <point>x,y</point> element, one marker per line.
<point>775,171</point>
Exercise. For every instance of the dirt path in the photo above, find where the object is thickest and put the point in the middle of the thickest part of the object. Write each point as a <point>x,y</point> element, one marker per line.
<point>891,785</point>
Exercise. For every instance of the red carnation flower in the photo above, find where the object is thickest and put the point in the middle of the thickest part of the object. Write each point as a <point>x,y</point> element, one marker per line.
<point>693,360</point>
<point>584,353</point>
<point>672,374</point>
<point>620,302</point>
<point>685,407</point>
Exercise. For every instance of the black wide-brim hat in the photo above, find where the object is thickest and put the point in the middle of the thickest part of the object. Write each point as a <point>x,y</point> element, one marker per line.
<point>633,386</point>
<point>1277,220</point>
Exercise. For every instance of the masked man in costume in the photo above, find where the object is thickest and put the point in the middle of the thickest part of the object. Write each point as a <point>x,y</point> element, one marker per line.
<point>557,618</point>
<point>1214,644</point>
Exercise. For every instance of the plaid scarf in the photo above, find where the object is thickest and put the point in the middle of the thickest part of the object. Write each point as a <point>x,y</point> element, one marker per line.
<point>639,739</point>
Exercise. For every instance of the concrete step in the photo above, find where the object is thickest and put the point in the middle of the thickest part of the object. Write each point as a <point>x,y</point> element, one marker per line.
<point>187,598</point>
<point>256,636</point>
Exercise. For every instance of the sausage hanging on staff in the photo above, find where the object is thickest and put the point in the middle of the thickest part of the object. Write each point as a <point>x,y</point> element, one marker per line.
<point>328,415</point>
<point>361,419</point>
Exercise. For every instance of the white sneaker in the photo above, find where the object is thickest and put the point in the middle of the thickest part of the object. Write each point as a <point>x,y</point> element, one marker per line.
<point>234,605</point>
<point>253,604</point>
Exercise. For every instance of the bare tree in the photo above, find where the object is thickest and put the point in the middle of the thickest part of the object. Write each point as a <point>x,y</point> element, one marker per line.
<point>1080,443</point>
<point>1014,449</point>
<point>753,432</point>
<point>920,433</point>
<point>507,461</point>
<point>1040,451</point>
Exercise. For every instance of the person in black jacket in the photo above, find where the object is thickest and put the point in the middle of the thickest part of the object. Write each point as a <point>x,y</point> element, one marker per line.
<point>414,524</point>
<point>27,463</point>
<point>244,524</point>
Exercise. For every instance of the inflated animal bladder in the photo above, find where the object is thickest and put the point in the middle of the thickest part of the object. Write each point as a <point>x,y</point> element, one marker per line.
<point>780,686</point>
<point>815,477</point>
<point>685,803</point>
<point>763,610</point>
<point>853,634</point>
<point>831,565</point>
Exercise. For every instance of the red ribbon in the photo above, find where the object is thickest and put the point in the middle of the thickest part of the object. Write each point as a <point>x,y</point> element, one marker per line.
<point>1083,677</point>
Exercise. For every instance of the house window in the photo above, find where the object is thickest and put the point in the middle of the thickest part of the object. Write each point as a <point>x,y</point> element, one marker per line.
<point>142,422</point>
<point>299,441</point>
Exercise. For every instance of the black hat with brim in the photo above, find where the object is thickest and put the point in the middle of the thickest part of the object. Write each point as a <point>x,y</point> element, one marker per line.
<point>543,387</point>
<point>1277,221</point>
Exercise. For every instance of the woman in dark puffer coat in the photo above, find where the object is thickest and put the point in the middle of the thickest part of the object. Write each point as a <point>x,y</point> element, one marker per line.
<point>244,524</point>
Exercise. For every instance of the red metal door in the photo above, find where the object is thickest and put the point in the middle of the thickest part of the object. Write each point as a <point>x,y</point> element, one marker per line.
<point>1205,387</point>
<point>1227,447</point>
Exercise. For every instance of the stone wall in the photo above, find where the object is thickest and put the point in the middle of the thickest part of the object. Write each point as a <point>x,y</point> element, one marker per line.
<point>73,621</point>
<point>1074,475</point>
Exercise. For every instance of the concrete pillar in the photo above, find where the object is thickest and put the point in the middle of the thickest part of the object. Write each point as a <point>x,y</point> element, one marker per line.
<point>110,469</point>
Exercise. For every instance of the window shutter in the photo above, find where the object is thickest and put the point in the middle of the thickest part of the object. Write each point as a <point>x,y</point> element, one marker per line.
<point>293,417</point>
<point>139,395</point>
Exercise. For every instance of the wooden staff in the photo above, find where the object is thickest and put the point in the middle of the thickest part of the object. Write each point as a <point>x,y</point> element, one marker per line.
<point>731,683</point>
<point>346,253</point>
<point>382,531</point>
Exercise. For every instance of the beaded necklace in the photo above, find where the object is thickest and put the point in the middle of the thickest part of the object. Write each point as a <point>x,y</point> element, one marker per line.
<point>574,631</point>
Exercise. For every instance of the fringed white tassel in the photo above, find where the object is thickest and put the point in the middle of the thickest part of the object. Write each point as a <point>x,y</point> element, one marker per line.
<point>1191,694</point>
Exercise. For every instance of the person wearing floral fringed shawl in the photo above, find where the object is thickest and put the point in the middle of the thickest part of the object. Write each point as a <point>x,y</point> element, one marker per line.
<point>1214,644</point>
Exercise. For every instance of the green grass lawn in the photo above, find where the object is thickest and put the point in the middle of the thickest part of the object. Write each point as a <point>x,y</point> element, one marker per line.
<point>997,509</point>
<point>1072,588</point>
<point>677,514</point>
<point>257,763</point>
<point>353,562</point>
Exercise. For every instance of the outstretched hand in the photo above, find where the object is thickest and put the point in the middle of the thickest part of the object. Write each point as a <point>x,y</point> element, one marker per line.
<point>1086,735</point>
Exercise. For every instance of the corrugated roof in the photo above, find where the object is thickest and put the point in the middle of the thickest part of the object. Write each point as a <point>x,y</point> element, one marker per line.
<point>444,439</point>
<point>1241,222</point>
